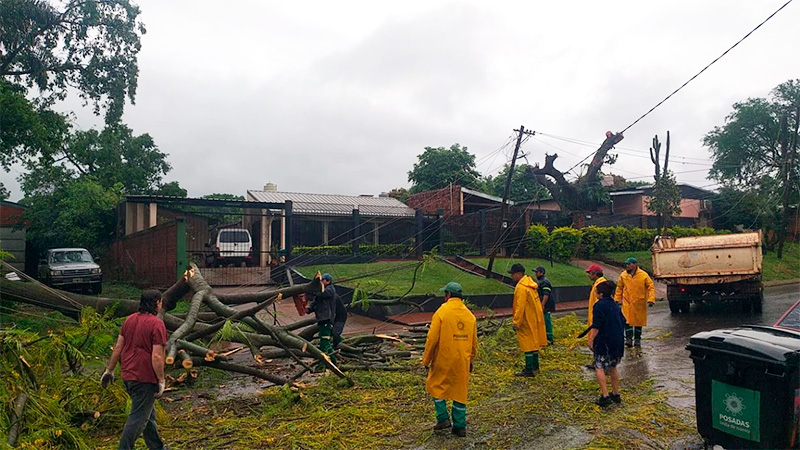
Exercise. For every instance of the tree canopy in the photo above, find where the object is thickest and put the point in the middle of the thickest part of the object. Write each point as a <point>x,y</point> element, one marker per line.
<point>748,159</point>
<point>438,167</point>
<point>87,45</point>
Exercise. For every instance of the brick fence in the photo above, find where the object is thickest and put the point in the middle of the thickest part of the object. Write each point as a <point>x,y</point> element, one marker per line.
<point>147,258</point>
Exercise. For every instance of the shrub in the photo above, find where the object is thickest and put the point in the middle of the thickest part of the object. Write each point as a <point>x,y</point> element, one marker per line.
<point>595,240</point>
<point>339,250</point>
<point>564,242</point>
<point>537,240</point>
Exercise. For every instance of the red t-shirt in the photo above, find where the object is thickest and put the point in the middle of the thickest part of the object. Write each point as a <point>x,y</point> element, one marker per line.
<point>140,333</point>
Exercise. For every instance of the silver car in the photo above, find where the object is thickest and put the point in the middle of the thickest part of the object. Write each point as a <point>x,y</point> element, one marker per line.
<point>71,268</point>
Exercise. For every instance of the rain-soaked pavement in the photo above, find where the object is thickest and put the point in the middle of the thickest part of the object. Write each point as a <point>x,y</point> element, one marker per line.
<point>664,357</point>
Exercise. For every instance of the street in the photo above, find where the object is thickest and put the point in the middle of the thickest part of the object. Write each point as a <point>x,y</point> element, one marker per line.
<point>663,356</point>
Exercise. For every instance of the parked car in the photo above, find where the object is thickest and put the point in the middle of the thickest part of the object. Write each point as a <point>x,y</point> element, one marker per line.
<point>232,246</point>
<point>71,269</point>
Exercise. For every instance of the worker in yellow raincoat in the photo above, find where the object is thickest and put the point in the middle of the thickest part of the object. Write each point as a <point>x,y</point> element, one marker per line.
<point>449,351</point>
<point>635,290</point>
<point>528,320</point>
<point>595,273</point>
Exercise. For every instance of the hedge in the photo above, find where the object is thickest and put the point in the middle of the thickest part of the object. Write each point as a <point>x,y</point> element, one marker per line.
<point>345,250</point>
<point>566,242</point>
<point>459,248</point>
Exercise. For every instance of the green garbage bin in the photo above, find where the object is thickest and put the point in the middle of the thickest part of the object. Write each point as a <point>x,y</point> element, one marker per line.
<point>747,386</point>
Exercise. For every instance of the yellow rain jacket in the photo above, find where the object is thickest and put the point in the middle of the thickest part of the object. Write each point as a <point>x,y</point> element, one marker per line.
<point>451,347</point>
<point>528,316</point>
<point>593,298</point>
<point>635,292</point>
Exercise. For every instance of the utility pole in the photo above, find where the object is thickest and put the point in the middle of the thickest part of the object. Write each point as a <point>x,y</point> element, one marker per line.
<point>788,151</point>
<point>502,228</point>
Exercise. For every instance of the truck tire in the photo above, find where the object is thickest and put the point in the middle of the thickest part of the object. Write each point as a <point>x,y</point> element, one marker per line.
<point>685,306</point>
<point>747,305</point>
<point>758,301</point>
<point>674,306</point>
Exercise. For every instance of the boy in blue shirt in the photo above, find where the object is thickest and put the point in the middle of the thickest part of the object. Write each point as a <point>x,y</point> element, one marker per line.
<point>606,340</point>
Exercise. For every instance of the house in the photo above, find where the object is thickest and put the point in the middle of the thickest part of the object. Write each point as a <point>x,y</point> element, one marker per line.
<point>12,232</point>
<point>474,218</point>
<point>695,205</point>
<point>157,236</point>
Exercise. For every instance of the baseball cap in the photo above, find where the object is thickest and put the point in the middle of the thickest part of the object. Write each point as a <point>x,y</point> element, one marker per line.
<point>594,268</point>
<point>327,277</point>
<point>517,267</point>
<point>451,287</point>
<point>631,260</point>
<point>540,269</point>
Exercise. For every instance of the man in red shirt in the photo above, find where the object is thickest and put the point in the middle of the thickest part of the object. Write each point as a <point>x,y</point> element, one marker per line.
<point>140,347</point>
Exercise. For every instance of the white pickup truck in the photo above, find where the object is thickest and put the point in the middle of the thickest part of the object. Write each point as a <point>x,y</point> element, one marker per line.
<point>723,267</point>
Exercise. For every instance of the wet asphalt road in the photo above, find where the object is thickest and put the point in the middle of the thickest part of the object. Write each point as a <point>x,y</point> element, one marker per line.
<point>663,356</point>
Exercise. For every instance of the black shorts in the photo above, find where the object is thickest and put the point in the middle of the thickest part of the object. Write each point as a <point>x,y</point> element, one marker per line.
<point>605,361</point>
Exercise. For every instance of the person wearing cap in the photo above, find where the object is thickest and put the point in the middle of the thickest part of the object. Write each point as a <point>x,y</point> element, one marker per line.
<point>449,351</point>
<point>635,291</point>
<point>528,319</point>
<point>324,309</point>
<point>545,292</point>
<point>595,273</point>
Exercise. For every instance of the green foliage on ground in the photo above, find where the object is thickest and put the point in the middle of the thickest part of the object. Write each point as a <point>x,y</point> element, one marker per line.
<point>391,410</point>
<point>560,274</point>
<point>59,370</point>
<point>394,278</point>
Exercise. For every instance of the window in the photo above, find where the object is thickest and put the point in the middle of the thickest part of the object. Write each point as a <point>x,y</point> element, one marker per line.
<point>234,236</point>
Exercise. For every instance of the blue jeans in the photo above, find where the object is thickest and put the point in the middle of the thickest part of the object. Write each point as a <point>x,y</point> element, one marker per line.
<point>142,418</point>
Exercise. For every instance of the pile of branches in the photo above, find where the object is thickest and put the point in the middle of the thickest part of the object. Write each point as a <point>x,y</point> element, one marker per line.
<point>211,315</point>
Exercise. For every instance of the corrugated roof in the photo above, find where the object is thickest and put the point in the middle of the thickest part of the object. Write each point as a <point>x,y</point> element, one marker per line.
<point>485,196</point>
<point>335,205</point>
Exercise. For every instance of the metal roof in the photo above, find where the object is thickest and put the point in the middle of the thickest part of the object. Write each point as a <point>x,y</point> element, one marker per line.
<point>335,205</point>
<point>485,196</point>
<point>687,191</point>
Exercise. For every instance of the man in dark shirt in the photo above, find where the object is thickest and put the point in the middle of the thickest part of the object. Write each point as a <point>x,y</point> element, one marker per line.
<point>548,302</point>
<point>324,308</point>
<point>140,348</point>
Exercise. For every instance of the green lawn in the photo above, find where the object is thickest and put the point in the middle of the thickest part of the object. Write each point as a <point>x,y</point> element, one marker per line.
<point>773,269</point>
<point>394,278</point>
<point>560,274</point>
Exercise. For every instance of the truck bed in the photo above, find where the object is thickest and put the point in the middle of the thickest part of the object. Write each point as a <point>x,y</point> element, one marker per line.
<point>707,259</point>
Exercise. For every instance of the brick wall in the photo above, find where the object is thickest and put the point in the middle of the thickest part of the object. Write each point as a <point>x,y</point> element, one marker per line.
<point>447,199</point>
<point>147,258</point>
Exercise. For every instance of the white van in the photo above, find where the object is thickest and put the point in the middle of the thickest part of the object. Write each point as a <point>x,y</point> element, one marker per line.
<point>233,246</point>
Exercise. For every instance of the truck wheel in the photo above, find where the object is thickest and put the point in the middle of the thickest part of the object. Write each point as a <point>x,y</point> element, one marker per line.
<point>685,306</point>
<point>758,300</point>
<point>674,306</point>
<point>747,305</point>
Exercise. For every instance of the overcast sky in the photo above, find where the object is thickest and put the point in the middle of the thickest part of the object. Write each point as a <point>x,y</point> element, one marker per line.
<point>341,97</point>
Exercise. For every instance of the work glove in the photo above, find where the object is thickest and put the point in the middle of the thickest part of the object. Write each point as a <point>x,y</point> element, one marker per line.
<point>107,378</point>
<point>162,384</point>
<point>651,304</point>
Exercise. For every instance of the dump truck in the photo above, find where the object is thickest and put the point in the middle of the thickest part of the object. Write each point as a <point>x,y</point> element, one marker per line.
<point>706,269</point>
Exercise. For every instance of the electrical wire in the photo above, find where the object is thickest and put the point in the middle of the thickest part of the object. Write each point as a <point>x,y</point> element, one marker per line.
<point>706,67</point>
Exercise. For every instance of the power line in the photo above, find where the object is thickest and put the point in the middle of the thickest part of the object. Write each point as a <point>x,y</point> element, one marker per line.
<point>706,67</point>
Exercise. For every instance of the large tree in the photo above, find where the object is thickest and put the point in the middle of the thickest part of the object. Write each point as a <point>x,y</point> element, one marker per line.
<point>586,191</point>
<point>438,167</point>
<point>750,162</point>
<point>87,45</point>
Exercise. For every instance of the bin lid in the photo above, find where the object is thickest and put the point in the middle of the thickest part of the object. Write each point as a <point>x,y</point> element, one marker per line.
<point>752,342</point>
